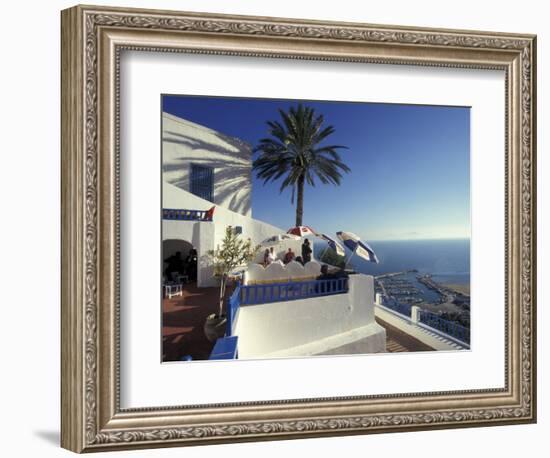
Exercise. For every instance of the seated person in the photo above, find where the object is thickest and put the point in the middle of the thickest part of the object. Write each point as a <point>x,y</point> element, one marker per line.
<point>324,273</point>
<point>289,256</point>
<point>175,266</point>
<point>272,256</point>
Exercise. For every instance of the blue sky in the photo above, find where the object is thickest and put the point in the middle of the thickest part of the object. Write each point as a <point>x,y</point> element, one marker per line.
<point>410,164</point>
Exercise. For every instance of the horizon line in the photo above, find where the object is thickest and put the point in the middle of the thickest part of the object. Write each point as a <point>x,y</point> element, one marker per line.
<point>419,239</point>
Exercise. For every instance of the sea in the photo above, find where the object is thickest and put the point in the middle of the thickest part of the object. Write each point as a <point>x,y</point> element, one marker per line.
<point>448,261</point>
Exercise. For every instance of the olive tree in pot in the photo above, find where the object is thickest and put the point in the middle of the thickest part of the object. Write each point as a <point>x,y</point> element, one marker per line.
<point>232,253</point>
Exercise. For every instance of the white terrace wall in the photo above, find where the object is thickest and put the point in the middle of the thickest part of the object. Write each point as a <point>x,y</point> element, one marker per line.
<point>205,236</point>
<point>185,143</point>
<point>279,272</point>
<point>312,326</point>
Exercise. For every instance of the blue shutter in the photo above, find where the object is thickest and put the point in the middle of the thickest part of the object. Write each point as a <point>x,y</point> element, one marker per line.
<point>202,182</point>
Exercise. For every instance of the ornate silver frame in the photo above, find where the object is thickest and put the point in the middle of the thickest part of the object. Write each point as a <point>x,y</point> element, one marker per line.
<point>92,39</point>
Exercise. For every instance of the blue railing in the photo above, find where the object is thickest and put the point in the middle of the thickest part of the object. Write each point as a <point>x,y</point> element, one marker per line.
<point>186,215</point>
<point>233,305</point>
<point>289,291</point>
<point>450,328</point>
<point>403,309</point>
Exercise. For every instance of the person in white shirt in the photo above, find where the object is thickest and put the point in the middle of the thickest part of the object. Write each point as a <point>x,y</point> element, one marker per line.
<point>272,257</point>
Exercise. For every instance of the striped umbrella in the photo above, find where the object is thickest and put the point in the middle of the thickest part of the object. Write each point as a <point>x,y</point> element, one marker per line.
<point>357,246</point>
<point>333,244</point>
<point>301,231</point>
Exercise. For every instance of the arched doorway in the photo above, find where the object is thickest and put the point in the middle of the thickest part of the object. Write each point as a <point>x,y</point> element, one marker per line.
<point>170,250</point>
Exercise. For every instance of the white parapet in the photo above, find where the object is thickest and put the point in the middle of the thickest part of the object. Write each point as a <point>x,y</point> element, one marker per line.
<point>415,314</point>
<point>279,272</point>
<point>334,324</point>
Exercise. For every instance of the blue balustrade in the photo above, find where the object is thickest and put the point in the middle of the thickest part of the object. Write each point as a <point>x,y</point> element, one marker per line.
<point>450,328</point>
<point>289,291</point>
<point>186,215</point>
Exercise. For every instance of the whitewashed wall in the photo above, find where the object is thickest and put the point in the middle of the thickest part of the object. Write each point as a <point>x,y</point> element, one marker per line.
<point>311,326</point>
<point>185,143</point>
<point>205,236</point>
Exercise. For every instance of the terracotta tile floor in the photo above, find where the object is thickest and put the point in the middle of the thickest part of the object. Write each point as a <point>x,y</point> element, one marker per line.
<point>183,318</point>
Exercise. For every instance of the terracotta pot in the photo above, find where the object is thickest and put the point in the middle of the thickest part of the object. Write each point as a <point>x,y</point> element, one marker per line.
<point>214,327</point>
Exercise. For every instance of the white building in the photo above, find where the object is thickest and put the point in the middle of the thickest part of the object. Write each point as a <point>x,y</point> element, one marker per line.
<point>202,168</point>
<point>282,311</point>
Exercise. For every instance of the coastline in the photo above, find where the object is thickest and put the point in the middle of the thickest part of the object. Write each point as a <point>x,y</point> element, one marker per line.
<point>457,288</point>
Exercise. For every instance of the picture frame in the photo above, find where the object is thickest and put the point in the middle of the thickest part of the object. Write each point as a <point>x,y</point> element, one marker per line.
<point>93,39</point>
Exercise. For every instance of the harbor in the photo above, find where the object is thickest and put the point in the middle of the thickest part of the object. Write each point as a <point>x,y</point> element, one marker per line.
<point>410,287</point>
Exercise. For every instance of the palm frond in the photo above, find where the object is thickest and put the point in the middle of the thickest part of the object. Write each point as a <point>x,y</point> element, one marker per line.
<point>293,151</point>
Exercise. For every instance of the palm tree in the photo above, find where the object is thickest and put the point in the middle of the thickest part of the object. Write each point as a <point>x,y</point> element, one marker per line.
<point>294,153</point>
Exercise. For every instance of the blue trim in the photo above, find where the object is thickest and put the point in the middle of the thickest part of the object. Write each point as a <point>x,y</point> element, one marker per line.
<point>186,215</point>
<point>225,348</point>
<point>291,291</point>
<point>232,309</point>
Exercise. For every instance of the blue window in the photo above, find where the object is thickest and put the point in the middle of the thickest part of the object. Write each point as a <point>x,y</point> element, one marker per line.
<point>202,182</point>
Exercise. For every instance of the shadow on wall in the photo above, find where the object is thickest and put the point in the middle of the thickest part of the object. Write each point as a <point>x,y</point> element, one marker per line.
<point>206,269</point>
<point>229,157</point>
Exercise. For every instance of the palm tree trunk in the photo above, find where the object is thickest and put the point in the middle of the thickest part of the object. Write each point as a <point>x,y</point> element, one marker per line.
<point>300,201</point>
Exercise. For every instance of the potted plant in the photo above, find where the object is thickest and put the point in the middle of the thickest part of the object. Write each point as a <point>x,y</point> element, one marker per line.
<point>232,253</point>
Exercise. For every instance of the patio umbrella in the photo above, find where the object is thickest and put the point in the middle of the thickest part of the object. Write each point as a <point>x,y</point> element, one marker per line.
<point>278,238</point>
<point>301,231</point>
<point>332,244</point>
<point>357,246</point>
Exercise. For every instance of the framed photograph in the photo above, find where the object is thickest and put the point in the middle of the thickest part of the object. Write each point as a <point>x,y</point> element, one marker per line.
<point>279,228</point>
